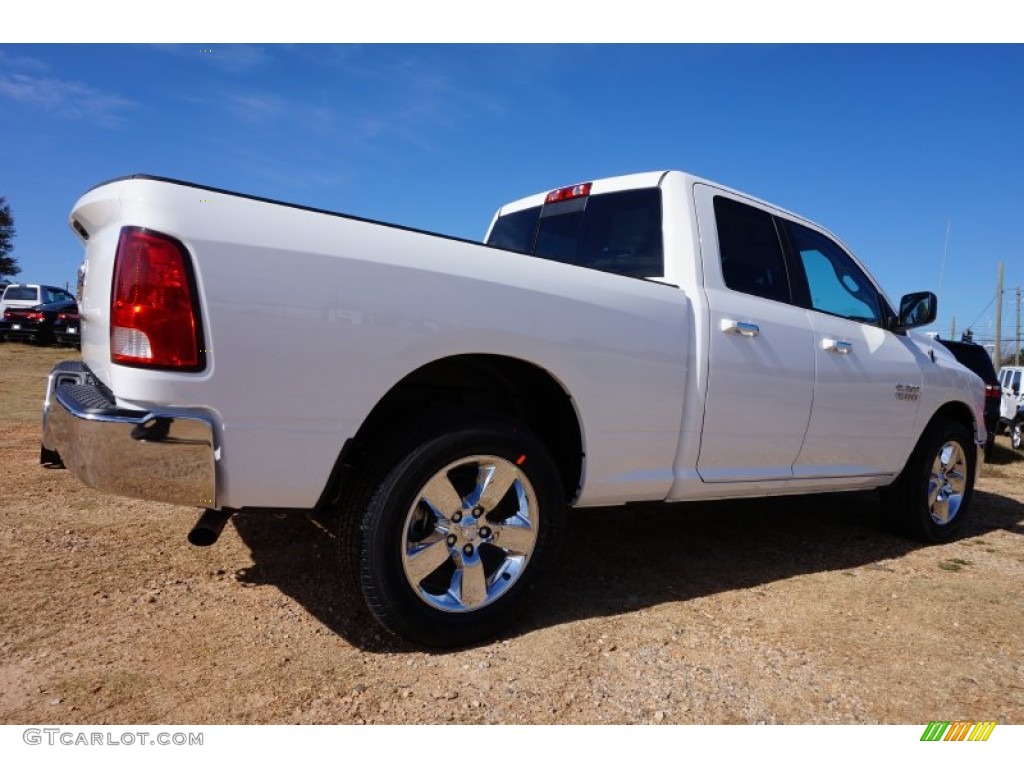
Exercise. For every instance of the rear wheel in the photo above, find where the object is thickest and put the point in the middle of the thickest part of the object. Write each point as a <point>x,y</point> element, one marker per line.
<point>455,538</point>
<point>1016,438</point>
<point>931,499</point>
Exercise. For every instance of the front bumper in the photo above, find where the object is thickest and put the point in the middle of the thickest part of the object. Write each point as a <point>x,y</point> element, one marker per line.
<point>154,455</point>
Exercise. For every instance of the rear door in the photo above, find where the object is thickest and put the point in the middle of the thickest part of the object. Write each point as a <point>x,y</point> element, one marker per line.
<point>761,346</point>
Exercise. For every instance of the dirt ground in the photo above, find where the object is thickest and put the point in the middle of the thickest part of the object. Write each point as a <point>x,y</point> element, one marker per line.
<point>776,611</point>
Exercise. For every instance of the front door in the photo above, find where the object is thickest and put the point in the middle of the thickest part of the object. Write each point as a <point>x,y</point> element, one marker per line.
<point>868,379</point>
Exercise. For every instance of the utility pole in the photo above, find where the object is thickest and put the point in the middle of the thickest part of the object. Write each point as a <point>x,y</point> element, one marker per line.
<point>1016,349</point>
<point>997,356</point>
<point>952,329</point>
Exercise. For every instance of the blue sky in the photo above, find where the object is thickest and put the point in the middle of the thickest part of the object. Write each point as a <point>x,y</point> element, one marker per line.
<point>885,145</point>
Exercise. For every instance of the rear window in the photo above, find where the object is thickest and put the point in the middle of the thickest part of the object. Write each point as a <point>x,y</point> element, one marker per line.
<point>617,232</point>
<point>21,293</point>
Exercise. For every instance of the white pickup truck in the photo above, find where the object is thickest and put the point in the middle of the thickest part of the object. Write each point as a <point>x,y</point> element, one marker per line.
<point>645,338</point>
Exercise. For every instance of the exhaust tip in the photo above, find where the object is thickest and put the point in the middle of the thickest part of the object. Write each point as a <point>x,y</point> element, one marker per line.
<point>208,528</point>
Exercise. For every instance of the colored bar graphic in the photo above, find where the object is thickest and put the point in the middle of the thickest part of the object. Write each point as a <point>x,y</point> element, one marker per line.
<point>958,730</point>
<point>982,731</point>
<point>934,730</point>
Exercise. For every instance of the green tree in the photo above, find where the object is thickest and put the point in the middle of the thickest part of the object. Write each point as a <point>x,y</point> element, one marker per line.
<point>8,264</point>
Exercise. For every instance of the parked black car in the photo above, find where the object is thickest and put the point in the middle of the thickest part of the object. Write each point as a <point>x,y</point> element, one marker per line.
<point>975,357</point>
<point>42,324</point>
<point>66,329</point>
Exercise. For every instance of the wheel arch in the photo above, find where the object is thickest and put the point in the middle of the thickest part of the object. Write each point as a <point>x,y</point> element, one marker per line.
<point>496,384</point>
<point>956,411</point>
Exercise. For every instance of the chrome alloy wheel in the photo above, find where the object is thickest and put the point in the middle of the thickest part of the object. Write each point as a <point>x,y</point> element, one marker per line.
<point>470,533</point>
<point>947,483</point>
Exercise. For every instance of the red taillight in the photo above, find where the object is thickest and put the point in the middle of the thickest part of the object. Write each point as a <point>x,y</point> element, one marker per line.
<point>37,316</point>
<point>66,316</point>
<point>993,391</point>
<point>568,193</point>
<point>153,318</point>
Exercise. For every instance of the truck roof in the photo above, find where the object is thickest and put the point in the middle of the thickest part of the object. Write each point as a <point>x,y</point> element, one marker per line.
<point>636,181</point>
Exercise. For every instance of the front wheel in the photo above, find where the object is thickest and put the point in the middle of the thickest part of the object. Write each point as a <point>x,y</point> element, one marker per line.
<point>1016,439</point>
<point>931,499</point>
<point>455,538</point>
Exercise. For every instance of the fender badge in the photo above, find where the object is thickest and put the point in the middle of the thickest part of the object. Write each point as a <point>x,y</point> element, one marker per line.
<point>907,392</point>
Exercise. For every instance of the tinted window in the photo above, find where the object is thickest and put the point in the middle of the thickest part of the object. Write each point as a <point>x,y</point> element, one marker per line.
<point>54,295</point>
<point>617,232</point>
<point>751,254</point>
<point>837,286</point>
<point>559,236</point>
<point>516,231</point>
<point>21,293</point>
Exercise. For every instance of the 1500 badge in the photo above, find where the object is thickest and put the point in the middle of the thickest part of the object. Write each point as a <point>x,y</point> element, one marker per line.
<point>907,392</point>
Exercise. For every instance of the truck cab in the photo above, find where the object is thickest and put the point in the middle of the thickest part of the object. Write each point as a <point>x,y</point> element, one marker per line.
<point>800,372</point>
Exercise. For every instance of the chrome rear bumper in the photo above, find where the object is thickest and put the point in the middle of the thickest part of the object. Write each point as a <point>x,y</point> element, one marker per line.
<point>144,454</point>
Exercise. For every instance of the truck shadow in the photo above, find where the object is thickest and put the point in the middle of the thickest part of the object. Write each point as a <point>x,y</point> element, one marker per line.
<point>619,560</point>
<point>1002,454</point>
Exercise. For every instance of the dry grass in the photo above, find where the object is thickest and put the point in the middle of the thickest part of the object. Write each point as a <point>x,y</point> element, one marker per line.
<point>22,368</point>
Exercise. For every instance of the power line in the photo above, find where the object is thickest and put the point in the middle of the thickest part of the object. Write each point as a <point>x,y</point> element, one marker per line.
<point>982,314</point>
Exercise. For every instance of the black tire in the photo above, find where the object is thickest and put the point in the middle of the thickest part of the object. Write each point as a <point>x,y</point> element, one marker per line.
<point>482,505</point>
<point>1016,436</point>
<point>931,499</point>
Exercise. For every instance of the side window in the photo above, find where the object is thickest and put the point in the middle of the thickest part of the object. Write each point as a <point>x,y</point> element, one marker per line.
<point>837,285</point>
<point>1016,383</point>
<point>748,244</point>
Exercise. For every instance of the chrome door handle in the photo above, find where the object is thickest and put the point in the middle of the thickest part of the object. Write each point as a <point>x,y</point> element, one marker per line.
<point>740,328</point>
<point>839,347</point>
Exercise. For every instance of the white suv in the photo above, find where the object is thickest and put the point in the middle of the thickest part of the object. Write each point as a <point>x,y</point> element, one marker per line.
<point>1011,406</point>
<point>30,295</point>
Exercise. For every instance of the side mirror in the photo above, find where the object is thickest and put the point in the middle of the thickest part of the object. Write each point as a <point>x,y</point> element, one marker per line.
<point>917,309</point>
